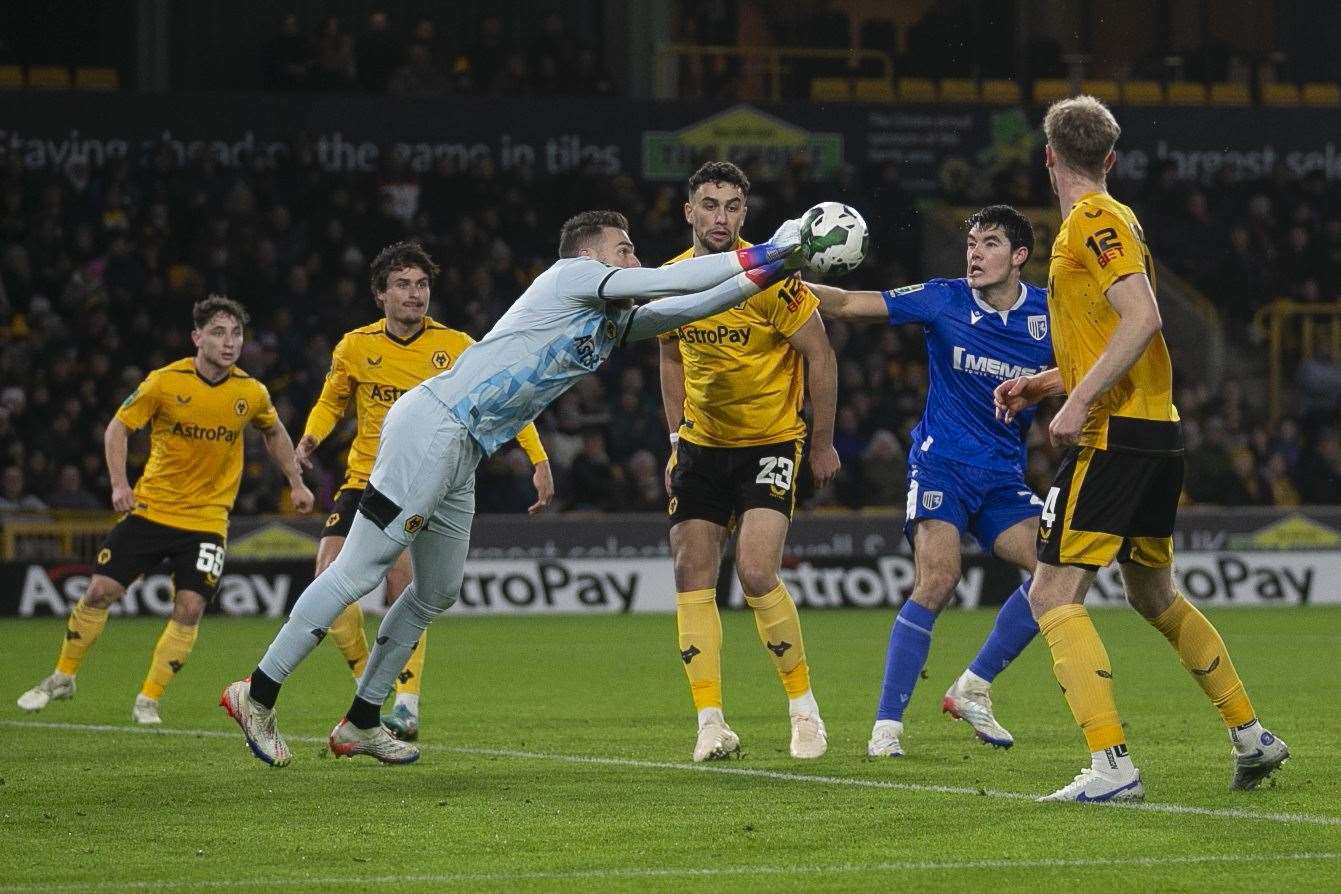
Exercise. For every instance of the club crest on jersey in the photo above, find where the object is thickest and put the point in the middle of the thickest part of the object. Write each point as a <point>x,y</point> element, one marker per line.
<point>1038,327</point>
<point>413,524</point>
<point>611,329</point>
<point>183,399</point>
<point>375,361</point>
<point>241,406</point>
<point>932,499</point>
<point>440,359</point>
<point>104,556</point>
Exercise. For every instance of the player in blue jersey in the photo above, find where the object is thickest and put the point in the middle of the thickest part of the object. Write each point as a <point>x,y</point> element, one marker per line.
<point>966,467</point>
<point>421,493</point>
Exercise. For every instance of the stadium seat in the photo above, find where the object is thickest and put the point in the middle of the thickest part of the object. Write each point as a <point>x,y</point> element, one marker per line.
<point>1049,90</point>
<point>49,77</point>
<point>959,90</point>
<point>1321,95</point>
<point>872,90</point>
<point>11,77</point>
<point>1230,95</point>
<point>831,89</point>
<point>97,79</point>
<point>917,90</point>
<point>1280,94</point>
<point>1187,93</point>
<point>998,92</point>
<point>1106,90</point>
<point>1142,93</point>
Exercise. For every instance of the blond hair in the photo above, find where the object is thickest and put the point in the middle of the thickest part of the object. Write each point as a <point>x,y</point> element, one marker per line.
<point>1082,131</point>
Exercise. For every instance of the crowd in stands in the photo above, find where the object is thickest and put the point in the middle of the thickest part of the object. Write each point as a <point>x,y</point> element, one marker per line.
<point>99,269</point>
<point>418,59</point>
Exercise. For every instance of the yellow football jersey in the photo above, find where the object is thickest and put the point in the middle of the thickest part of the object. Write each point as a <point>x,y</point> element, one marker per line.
<point>375,367</point>
<point>195,443</point>
<point>743,381</point>
<point>1099,243</point>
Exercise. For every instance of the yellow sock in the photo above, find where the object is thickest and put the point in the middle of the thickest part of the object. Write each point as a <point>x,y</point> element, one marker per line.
<point>350,638</point>
<point>700,630</point>
<point>173,647</point>
<point>410,678</point>
<point>1081,665</point>
<point>82,629</point>
<point>1203,653</point>
<point>779,629</point>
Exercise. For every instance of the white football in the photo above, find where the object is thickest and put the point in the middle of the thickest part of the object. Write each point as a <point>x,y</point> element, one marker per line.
<point>834,238</point>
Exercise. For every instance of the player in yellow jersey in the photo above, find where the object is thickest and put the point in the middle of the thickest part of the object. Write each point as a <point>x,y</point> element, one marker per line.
<point>198,409</point>
<point>732,385</point>
<point>1116,493</point>
<point>372,366</point>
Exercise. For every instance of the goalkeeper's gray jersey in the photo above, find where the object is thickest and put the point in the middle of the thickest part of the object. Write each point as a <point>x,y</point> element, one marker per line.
<point>560,329</point>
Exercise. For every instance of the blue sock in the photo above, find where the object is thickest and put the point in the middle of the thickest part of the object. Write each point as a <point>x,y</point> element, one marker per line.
<point>909,643</point>
<point>1014,629</point>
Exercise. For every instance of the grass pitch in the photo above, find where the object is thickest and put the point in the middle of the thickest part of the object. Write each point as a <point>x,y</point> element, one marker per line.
<point>556,756</point>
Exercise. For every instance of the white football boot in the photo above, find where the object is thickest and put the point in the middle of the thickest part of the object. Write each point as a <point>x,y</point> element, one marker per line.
<point>145,711</point>
<point>53,688</point>
<point>258,724</point>
<point>402,722</point>
<point>715,740</point>
<point>1092,785</point>
<point>970,700</point>
<point>809,737</point>
<point>348,740</point>
<point>1257,754</point>
<point>885,739</point>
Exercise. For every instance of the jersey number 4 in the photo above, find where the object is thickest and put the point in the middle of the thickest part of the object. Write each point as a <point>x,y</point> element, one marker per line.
<point>1049,514</point>
<point>211,559</point>
<point>776,471</point>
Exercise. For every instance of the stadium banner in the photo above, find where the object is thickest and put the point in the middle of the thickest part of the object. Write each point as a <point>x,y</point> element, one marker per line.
<point>939,149</point>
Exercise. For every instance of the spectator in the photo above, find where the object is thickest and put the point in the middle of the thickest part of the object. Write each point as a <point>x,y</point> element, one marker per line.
<point>419,77</point>
<point>593,480</point>
<point>380,52</point>
<point>334,70</point>
<point>70,492</point>
<point>286,59</point>
<point>13,493</point>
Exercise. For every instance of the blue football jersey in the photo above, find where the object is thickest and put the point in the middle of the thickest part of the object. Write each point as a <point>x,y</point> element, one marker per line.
<point>972,348</point>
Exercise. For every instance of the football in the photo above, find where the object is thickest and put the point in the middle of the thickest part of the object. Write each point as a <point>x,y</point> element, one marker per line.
<point>834,238</point>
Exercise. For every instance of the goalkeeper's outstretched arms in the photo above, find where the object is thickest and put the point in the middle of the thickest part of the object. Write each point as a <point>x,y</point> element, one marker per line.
<point>661,316</point>
<point>699,274</point>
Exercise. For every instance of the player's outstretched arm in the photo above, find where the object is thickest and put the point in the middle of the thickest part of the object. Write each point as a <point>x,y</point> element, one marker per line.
<point>115,441</point>
<point>840,304</point>
<point>280,447</point>
<point>661,316</point>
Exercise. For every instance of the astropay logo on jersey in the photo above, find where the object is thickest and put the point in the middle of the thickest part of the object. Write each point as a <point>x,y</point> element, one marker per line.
<point>989,366</point>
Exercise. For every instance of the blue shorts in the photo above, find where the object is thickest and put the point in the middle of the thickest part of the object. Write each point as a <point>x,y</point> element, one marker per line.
<point>984,502</point>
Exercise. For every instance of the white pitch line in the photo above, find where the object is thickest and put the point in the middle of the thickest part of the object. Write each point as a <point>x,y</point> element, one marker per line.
<point>717,769</point>
<point>638,872</point>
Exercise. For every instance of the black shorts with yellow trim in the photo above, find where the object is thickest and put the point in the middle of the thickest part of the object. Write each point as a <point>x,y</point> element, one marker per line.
<point>718,484</point>
<point>1106,505</point>
<point>136,546</point>
<point>341,518</point>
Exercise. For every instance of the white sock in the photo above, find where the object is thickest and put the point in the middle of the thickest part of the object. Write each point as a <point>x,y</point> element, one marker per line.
<point>895,727</point>
<point>1246,737</point>
<point>970,680</point>
<point>803,704</point>
<point>409,700</point>
<point>708,714</point>
<point>1113,761</point>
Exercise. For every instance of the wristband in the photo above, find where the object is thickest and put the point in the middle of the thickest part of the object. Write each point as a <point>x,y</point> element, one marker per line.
<point>674,438</point>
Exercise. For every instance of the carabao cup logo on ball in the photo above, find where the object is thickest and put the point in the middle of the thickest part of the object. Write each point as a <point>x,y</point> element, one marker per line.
<point>834,238</point>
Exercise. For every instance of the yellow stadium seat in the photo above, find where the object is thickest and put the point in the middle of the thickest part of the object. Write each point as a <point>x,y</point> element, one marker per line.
<point>959,90</point>
<point>1000,92</point>
<point>97,79</point>
<point>1102,89</point>
<point>11,77</point>
<point>1321,95</point>
<point>1049,90</point>
<point>1187,93</point>
<point>831,89</point>
<point>917,90</point>
<point>1142,93</point>
<point>1230,95</point>
<point>872,90</point>
<point>1280,94</point>
<point>49,77</point>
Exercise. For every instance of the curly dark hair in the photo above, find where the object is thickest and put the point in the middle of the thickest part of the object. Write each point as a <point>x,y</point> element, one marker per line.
<point>1019,231</point>
<point>719,172</point>
<point>398,256</point>
<point>205,310</point>
<point>580,229</point>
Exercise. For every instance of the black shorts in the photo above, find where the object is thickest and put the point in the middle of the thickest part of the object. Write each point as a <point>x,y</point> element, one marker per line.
<point>1106,505</point>
<point>718,484</point>
<point>136,546</point>
<point>342,517</point>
